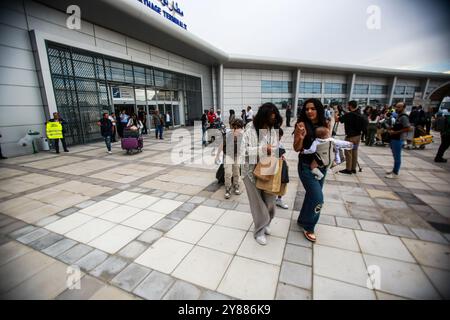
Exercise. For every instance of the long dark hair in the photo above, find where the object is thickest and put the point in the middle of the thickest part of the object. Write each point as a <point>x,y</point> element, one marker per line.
<point>262,118</point>
<point>320,112</point>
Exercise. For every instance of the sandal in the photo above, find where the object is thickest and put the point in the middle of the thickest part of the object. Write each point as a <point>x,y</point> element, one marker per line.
<point>310,236</point>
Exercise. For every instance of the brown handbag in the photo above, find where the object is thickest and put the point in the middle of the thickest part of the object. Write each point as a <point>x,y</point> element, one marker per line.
<point>265,168</point>
<point>273,183</point>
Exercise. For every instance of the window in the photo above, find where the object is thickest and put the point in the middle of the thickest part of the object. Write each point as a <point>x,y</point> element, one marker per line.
<point>410,91</point>
<point>268,86</point>
<point>399,90</point>
<point>378,89</point>
<point>310,87</point>
<point>335,88</point>
<point>361,89</point>
<point>279,102</point>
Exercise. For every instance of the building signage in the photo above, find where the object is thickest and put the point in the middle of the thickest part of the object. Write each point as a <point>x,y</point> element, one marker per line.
<point>158,6</point>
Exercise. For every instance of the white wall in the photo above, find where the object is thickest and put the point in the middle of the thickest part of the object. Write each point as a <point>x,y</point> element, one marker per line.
<point>21,105</point>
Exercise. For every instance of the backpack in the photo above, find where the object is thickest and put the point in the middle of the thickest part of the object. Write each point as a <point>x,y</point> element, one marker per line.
<point>325,154</point>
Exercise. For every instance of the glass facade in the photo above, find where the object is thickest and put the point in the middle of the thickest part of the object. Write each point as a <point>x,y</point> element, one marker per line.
<point>335,88</point>
<point>83,83</point>
<point>310,87</point>
<point>378,89</point>
<point>334,101</point>
<point>361,89</point>
<point>279,102</point>
<point>270,86</point>
<point>399,90</point>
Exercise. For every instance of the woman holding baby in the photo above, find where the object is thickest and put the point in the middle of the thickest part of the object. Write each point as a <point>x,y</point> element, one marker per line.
<point>311,118</point>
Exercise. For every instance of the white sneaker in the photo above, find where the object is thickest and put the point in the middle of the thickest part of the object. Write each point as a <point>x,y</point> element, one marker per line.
<point>280,204</point>
<point>267,230</point>
<point>391,176</point>
<point>109,152</point>
<point>237,191</point>
<point>227,194</point>
<point>261,239</point>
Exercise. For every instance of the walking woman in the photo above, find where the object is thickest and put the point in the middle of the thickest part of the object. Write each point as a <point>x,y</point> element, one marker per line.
<point>263,129</point>
<point>311,117</point>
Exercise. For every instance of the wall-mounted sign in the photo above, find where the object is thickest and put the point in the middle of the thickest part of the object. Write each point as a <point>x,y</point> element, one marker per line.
<point>171,6</point>
<point>124,93</point>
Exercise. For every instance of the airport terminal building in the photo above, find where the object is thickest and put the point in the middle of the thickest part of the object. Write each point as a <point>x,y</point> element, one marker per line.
<point>139,55</point>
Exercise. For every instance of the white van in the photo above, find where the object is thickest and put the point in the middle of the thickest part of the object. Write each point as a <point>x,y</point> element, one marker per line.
<point>444,107</point>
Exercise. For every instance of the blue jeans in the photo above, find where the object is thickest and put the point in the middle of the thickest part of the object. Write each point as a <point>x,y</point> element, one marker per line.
<point>160,129</point>
<point>313,202</point>
<point>108,142</point>
<point>396,147</point>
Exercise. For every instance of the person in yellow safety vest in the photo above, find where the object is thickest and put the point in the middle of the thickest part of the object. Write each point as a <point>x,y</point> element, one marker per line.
<point>55,131</point>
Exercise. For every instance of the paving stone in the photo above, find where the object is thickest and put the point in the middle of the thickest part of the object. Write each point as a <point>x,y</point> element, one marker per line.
<point>182,198</point>
<point>211,203</point>
<point>196,200</point>
<point>48,220</point>
<point>229,205</point>
<point>329,289</point>
<point>328,220</point>
<point>150,236</point>
<point>169,195</point>
<point>187,207</point>
<point>131,276</point>
<point>74,254</point>
<point>109,268</point>
<point>182,291</point>
<point>213,295</point>
<point>297,238</point>
<point>288,292</point>
<point>91,260</point>
<point>46,241</point>
<point>178,214</point>
<point>154,286</point>
<point>400,231</point>
<point>85,204</point>
<point>6,221</point>
<point>88,286</point>
<point>296,274</point>
<point>22,231</point>
<point>32,236</point>
<point>298,254</point>
<point>348,223</point>
<point>59,247</point>
<point>243,208</point>
<point>133,250</point>
<point>165,225</point>
<point>372,226</point>
<point>12,227</point>
<point>429,235</point>
<point>68,212</point>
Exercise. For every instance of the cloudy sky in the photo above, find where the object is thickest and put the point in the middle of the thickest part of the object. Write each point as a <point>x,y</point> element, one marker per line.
<point>413,34</point>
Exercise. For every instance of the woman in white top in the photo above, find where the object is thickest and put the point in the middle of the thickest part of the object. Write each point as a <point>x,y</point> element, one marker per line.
<point>260,139</point>
<point>135,122</point>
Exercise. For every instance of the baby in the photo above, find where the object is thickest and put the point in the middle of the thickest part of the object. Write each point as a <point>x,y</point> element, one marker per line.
<point>322,142</point>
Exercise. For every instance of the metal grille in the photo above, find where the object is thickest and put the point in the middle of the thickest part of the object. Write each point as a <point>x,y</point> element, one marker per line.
<point>80,92</point>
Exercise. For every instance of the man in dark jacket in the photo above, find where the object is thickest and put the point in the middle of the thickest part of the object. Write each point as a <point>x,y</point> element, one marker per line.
<point>354,125</point>
<point>443,126</point>
<point>288,115</point>
<point>106,129</point>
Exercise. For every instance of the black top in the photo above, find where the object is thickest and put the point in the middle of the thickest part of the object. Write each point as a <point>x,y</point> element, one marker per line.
<point>106,127</point>
<point>307,142</point>
<point>353,123</point>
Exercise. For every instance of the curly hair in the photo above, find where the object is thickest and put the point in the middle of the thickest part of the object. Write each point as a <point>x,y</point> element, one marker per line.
<point>320,112</point>
<point>263,116</point>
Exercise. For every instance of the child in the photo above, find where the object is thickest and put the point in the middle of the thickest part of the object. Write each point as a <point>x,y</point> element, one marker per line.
<point>231,168</point>
<point>281,151</point>
<point>322,147</point>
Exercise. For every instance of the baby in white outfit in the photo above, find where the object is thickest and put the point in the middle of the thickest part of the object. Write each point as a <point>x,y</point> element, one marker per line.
<point>323,136</point>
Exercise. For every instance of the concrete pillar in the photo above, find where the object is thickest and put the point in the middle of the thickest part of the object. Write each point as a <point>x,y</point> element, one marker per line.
<point>392,90</point>
<point>220,97</point>
<point>296,85</point>
<point>350,86</point>
<point>425,86</point>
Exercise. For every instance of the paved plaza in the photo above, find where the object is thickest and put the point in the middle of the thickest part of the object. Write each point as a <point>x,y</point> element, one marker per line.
<point>156,226</point>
